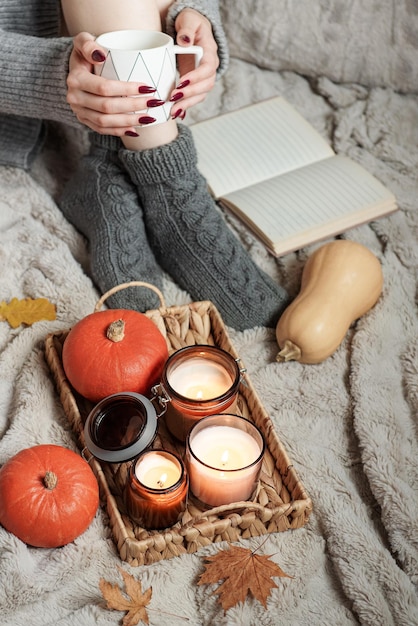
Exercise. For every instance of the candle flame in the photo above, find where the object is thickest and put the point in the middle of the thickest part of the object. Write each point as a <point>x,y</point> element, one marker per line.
<point>199,395</point>
<point>225,457</point>
<point>161,480</point>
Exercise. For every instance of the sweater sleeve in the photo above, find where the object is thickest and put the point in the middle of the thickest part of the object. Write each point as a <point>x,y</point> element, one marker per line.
<point>210,9</point>
<point>33,72</point>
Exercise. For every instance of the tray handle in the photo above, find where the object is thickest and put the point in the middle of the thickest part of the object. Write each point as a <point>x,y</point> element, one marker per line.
<point>133,283</point>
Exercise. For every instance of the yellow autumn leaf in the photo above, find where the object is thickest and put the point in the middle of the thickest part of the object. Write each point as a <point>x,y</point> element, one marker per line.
<point>27,311</point>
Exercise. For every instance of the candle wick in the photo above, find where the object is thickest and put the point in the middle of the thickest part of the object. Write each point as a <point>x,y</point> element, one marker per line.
<point>161,481</point>
<point>225,458</point>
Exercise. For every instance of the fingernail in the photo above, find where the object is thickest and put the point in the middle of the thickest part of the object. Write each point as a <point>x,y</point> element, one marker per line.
<point>185,38</point>
<point>183,84</point>
<point>155,103</point>
<point>183,115</point>
<point>97,55</point>
<point>146,119</point>
<point>146,89</point>
<point>177,96</point>
<point>177,114</point>
<point>131,133</point>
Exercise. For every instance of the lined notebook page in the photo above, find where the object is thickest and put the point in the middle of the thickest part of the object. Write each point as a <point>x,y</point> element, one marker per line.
<point>255,143</point>
<point>320,200</point>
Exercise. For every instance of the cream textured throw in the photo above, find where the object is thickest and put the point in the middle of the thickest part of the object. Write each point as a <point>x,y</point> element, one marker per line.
<point>349,424</point>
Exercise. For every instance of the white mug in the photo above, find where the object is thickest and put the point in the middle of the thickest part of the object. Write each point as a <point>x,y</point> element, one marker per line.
<point>148,57</point>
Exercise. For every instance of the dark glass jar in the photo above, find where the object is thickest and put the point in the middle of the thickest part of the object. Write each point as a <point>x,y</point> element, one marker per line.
<point>120,427</point>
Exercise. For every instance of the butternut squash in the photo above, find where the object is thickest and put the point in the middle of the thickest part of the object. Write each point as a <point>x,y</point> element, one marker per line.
<point>341,281</point>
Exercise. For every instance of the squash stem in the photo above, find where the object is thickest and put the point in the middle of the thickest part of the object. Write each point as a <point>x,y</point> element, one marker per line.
<point>116,331</point>
<point>50,480</point>
<point>289,352</point>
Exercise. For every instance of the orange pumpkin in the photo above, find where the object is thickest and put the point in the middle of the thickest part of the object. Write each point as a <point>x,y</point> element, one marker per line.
<point>112,351</point>
<point>48,495</point>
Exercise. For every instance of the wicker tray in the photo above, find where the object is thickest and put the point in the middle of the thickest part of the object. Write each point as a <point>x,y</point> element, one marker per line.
<point>280,502</point>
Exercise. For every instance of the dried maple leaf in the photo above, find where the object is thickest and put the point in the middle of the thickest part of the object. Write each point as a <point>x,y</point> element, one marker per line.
<point>27,311</point>
<point>243,571</point>
<point>133,600</point>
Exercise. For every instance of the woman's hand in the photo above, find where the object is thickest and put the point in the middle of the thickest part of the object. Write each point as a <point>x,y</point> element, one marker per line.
<point>105,106</point>
<point>194,84</point>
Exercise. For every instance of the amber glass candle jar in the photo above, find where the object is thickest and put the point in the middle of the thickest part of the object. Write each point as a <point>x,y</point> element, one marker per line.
<point>157,488</point>
<point>197,381</point>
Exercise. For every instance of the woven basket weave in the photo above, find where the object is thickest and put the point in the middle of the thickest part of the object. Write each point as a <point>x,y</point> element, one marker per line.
<point>280,502</point>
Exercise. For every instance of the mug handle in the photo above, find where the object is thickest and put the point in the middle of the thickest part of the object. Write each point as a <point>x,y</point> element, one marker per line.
<point>196,50</point>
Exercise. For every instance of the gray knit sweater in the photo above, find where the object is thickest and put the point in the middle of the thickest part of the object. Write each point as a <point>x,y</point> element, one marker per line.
<point>34,66</point>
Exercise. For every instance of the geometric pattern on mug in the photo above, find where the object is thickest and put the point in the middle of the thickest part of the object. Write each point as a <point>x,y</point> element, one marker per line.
<point>129,65</point>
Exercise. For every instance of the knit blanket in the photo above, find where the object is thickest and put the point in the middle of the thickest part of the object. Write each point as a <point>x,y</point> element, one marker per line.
<point>349,424</point>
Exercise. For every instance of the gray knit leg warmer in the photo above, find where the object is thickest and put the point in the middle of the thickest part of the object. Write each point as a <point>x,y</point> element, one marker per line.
<point>191,239</point>
<point>102,203</point>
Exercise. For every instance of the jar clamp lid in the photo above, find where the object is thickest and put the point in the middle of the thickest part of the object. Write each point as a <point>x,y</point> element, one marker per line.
<point>120,427</point>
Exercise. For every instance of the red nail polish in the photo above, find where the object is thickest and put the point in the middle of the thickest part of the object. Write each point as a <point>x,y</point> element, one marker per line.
<point>131,133</point>
<point>155,103</point>
<point>184,84</point>
<point>177,96</point>
<point>185,38</point>
<point>98,56</point>
<point>146,119</point>
<point>146,89</point>
<point>177,114</point>
<point>183,115</point>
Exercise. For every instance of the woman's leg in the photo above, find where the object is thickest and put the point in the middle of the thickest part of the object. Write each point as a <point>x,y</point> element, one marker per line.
<point>100,199</point>
<point>187,233</point>
<point>192,241</point>
<point>98,17</point>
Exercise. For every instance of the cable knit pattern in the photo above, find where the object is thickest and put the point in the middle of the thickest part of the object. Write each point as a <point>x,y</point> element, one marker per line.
<point>192,241</point>
<point>102,203</point>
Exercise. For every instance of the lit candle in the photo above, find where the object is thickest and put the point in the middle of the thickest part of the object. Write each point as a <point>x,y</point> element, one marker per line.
<point>198,381</point>
<point>156,491</point>
<point>157,470</point>
<point>224,456</point>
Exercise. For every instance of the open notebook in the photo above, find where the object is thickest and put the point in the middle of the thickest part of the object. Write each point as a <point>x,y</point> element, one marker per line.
<point>271,168</point>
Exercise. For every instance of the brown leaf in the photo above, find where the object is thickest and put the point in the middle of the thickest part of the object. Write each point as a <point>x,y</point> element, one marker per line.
<point>132,600</point>
<point>27,311</point>
<point>243,572</point>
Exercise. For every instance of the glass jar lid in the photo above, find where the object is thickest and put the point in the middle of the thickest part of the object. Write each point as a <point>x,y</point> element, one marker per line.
<point>120,427</point>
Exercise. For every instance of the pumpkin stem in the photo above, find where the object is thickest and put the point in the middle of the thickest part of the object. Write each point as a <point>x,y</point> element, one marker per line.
<point>289,352</point>
<point>50,480</point>
<point>116,331</point>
